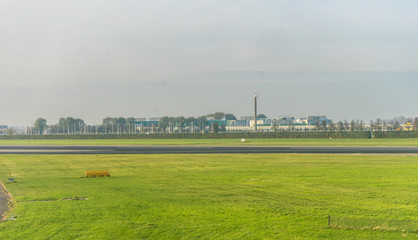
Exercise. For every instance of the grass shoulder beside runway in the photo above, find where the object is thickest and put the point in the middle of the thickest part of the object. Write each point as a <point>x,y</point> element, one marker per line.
<point>224,142</point>
<point>236,196</point>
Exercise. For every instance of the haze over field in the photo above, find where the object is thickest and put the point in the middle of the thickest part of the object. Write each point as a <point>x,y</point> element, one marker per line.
<point>92,59</point>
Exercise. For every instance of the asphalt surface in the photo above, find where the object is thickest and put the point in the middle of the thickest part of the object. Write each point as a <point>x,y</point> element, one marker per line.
<point>202,150</point>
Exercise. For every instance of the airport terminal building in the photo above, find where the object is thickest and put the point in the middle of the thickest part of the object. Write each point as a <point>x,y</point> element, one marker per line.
<point>243,124</point>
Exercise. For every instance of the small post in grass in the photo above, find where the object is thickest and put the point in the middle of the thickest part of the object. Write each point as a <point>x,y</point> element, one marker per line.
<point>329,221</point>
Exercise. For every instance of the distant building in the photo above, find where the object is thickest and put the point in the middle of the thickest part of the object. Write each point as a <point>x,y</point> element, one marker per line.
<point>301,121</point>
<point>142,122</point>
<point>260,122</point>
<point>408,126</point>
<point>314,120</point>
<point>244,121</point>
<point>3,129</point>
<point>285,120</point>
<point>222,122</point>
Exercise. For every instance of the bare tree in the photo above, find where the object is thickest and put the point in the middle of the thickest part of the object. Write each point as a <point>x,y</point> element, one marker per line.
<point>352,125</point>
<point>346,125</point>
<point>396,125</point>
<point>333,126</point>
<point>416,124</point>
<point>340,126</point>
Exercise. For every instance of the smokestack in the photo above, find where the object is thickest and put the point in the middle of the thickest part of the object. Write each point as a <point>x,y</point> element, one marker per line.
<point>255,112</point>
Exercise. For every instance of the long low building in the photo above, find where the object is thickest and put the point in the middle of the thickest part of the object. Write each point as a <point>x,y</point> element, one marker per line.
<point>270,128</point>
<point>244,124</point>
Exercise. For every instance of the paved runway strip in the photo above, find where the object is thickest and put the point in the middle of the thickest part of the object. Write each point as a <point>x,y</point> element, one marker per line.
<point>202,150</point>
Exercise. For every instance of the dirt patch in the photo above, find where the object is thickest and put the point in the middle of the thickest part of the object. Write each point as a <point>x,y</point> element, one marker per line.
<point>55,200</point>
<point>4,201</point>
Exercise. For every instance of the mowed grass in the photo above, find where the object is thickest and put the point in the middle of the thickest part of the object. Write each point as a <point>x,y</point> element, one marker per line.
<point>224,142</point>
<point>242,196</point>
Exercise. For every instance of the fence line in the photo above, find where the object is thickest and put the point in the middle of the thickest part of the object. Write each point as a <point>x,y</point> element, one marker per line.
<point>324,135</point>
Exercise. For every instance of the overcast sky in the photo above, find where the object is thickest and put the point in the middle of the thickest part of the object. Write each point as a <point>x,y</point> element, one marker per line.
<point>93,59</point>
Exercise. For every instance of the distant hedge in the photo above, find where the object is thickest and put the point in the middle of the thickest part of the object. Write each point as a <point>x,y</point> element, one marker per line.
<point>343,134</point>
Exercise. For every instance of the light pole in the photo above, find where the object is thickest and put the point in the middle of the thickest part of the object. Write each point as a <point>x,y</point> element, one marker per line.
<point>255,111</point>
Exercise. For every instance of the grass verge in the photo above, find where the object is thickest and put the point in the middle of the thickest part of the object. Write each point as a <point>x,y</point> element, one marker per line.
<point>265,196</point>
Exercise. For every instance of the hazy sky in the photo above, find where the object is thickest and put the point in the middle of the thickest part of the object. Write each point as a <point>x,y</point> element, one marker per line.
<point>92,59</point>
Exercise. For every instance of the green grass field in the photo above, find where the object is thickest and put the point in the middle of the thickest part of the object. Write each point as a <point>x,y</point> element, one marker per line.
<point>266,196</point>
<point>229,142</point>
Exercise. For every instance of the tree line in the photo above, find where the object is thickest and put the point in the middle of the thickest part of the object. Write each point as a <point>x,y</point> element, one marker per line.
<point>121,125</point>
<point>181,124</point>
<point>70,125</point>
<point>285,134</point>
<point>377,125</point>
